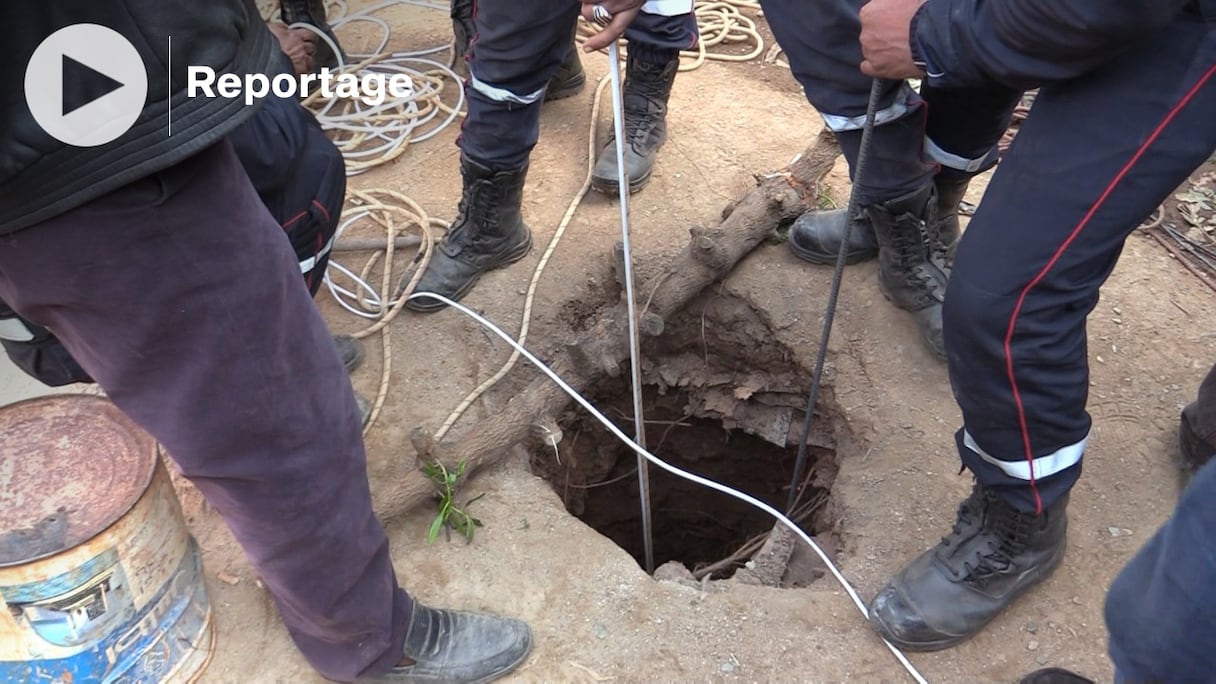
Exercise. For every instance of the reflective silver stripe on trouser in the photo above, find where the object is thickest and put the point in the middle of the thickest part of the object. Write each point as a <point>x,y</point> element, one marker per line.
<point>14,330</point>
<point>1044,466</point>
<point>311,262</point>
<point>934,152</point>
<point>895,111</point>
<point>502,94</point>
<point>667,8</point>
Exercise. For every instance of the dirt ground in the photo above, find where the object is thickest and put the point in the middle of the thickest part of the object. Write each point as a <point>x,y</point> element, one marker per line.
<point>596,615</point>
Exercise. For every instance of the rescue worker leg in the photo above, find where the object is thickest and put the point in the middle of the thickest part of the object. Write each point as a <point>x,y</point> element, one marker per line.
<point>655,41</point>
<point>962,129</point>
<point>230,366</point>
<point>517,49</point>
<point>1075,184</point>
<point>567,81</point>
<point>1159,608</point>
<point>896,194</point>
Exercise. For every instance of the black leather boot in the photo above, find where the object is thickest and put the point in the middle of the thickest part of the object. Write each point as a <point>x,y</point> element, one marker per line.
<point>944,231</point>
<point>952,590</point>
<point>312,12</point>
<point>1054,675</point>
<point>907,275</point>
<point>816,236</point>
<point>488,233</point>
<point>1194,451</point>
<point>646,90</point>
<point>350,350</point>
<point>569,79</point>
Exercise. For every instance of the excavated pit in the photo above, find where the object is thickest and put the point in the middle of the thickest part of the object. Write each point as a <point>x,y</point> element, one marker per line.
<point>725,400</point>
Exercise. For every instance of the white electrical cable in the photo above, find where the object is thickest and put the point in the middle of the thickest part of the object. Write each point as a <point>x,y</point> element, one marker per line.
<point>691,477</point>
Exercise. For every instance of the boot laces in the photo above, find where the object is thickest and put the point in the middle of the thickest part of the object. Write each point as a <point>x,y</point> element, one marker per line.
<point>645,99</point>
<point>913,250</point>
<point>1008,533</point>
<point>968,512</point>
<point>477,206</point>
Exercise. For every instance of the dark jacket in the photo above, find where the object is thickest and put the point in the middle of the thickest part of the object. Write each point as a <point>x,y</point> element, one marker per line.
<point>41,177</point>
<point>1025,43</point>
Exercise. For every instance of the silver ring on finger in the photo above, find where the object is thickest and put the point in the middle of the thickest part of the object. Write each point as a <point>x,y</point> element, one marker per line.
<point>600,14</point>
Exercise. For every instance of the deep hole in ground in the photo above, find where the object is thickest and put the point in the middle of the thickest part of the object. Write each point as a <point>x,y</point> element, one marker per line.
<point>724,400</point>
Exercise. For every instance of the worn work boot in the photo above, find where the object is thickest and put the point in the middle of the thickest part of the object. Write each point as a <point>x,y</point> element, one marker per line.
<point>1193,450</point>
<point>907,275</point>
<point>952,590</point>
<point>570,77</point>
<point>350,350</point>
<point>816,236</point>
<point>312,12</point>
<point>944,230</point>
<point>645,92</point>
<point>1054,675</point>
<point>449,646</point>
<point>488,233</point>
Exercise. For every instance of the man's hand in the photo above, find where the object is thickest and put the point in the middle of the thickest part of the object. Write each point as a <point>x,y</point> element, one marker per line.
<point>298,44</point>
<point>622,13</point>
<point>886,47</point>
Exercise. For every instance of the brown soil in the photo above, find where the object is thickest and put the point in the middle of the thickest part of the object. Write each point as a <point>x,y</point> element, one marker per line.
<point>885,440</point>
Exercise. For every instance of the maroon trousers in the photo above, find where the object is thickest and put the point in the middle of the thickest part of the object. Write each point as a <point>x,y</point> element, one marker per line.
<point>180,297</point>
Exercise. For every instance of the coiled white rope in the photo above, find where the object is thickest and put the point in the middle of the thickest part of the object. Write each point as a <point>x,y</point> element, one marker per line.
<point>369,135</point>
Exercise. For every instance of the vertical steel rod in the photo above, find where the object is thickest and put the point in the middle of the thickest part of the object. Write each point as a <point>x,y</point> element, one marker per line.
<point>635,358</point>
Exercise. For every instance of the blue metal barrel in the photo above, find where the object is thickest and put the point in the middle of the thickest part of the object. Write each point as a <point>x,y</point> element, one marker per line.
<point>100,581</point>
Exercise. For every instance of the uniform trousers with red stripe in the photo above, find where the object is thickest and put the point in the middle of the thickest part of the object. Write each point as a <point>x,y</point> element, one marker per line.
<point>1095,157</point>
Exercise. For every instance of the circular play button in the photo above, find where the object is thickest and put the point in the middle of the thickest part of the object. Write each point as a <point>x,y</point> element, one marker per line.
<point>86,85</point>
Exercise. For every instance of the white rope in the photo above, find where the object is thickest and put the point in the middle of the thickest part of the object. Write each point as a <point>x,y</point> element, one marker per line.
<point>371,135</point>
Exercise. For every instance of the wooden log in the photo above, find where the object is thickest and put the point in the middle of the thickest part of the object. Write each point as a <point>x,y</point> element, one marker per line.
<point>604,349</point>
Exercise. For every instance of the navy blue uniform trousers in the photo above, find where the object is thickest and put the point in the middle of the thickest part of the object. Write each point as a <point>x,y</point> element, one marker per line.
<point>182,299</point>
<point>1161,609</point>
<point>1096,155</point>
<point>917,134</point>
<point>517,48</point>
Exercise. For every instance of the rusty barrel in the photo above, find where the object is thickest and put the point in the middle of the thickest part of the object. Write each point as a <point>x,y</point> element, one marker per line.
<point>100,581</point>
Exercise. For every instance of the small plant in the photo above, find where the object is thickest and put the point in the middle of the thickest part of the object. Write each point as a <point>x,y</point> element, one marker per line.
<point>450,516</point>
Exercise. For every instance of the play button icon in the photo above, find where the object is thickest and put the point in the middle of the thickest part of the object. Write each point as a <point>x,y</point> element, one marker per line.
<point>82,84</point>
<point>86,85</point>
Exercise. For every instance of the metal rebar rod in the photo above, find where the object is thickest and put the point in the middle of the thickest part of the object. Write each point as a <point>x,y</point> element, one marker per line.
<point>829,315</point>
<point>618,117</point>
